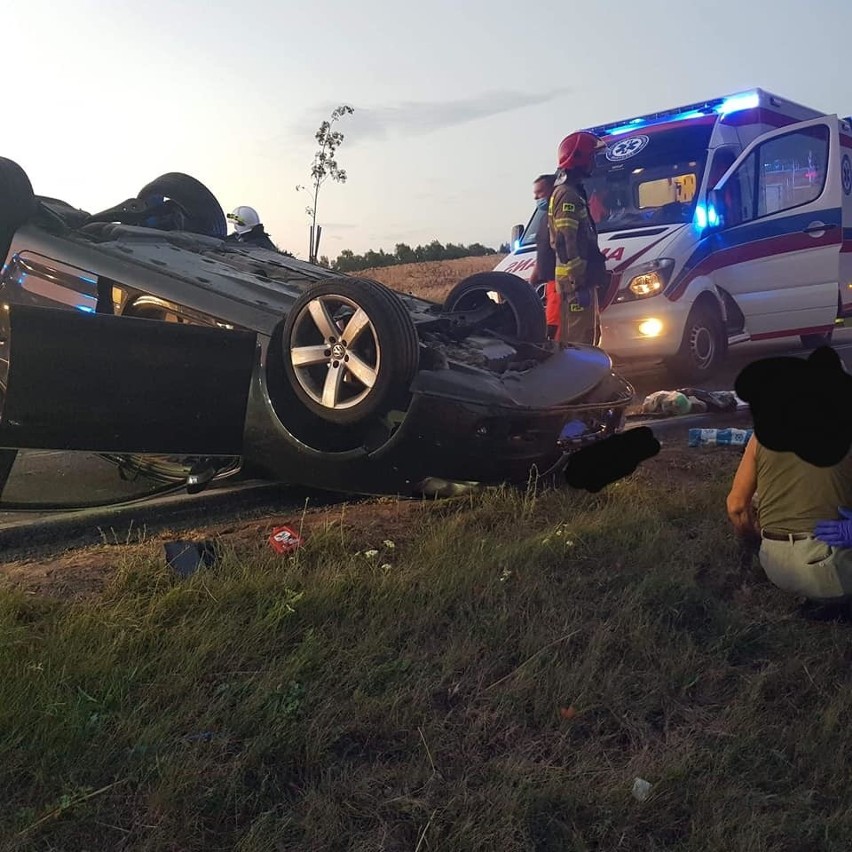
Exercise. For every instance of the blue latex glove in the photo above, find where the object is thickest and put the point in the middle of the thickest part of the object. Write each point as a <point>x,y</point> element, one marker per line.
<point>836,533</point>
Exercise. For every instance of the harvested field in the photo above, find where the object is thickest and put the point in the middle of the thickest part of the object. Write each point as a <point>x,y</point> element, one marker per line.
<point>432,279</point>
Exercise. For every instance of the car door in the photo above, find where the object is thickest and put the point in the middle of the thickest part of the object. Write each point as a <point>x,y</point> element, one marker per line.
<point>777,245</point>
<point>78,380</point>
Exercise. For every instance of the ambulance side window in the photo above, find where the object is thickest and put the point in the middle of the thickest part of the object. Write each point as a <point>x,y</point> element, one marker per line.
<point>793,170</point>
<point>781,174</point>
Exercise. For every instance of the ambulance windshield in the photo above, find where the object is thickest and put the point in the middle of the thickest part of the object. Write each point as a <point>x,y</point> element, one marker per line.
<point>539,220</point>
<point>649,179</point>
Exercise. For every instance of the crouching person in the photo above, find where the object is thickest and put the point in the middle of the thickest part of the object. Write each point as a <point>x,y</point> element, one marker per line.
<point>794,499</point>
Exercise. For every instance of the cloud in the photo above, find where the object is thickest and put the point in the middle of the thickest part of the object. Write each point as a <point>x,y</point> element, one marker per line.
<point>417,118</point>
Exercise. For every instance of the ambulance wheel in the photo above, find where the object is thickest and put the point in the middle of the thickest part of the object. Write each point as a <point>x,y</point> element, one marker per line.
<point>703,348</point>
<point>814,341</point>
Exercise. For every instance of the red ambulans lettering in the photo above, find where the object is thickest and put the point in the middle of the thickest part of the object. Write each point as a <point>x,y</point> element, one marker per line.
<point>520,265</point>
<point>611,253</point>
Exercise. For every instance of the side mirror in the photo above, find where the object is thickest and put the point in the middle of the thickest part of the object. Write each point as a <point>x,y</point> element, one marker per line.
<point>517,233</point>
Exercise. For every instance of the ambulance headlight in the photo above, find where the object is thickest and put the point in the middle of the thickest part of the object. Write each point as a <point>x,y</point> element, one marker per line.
<point>646,279</point>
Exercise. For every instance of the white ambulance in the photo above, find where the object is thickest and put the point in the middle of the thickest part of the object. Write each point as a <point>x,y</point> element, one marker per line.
<point>723,221</point>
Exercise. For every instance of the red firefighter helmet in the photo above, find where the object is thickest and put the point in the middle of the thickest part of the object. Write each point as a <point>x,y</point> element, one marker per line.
<point>577,152</point>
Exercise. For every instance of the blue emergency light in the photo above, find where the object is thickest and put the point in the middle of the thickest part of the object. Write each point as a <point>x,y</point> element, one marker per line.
<point>737,103</point>
<point>717,106</point>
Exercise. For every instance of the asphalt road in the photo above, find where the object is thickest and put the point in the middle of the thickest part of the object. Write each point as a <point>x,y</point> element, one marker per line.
<point>649,379</point>
<point>40,476</point>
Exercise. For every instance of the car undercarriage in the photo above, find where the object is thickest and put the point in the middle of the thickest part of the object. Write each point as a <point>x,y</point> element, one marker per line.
<point>144,334</point>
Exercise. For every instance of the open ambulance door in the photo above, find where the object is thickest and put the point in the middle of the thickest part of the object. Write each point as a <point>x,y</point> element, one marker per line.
<point>776,219</point>
<point>845,277</point>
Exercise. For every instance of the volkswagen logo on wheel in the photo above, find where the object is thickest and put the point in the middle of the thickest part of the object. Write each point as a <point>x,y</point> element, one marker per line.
<point>626,148</point>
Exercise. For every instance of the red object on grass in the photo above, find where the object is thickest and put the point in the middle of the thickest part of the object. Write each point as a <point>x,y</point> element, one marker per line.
<point>285,539</point>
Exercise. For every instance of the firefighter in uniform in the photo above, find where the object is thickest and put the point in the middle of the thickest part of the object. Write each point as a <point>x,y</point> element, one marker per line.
<point>248,229</point>
<point>580,266</point>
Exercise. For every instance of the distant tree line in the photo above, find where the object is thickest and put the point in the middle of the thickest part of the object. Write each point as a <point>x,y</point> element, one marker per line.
<point>348,261</point>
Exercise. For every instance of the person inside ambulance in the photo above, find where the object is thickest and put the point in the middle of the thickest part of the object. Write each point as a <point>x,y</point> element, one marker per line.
<point>544,271</point>
<point>248,229</point>
<point>580,265</point>
<point>617,206</point>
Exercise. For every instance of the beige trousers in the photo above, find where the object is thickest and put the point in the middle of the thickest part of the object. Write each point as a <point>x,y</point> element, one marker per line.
<point>808,567</point>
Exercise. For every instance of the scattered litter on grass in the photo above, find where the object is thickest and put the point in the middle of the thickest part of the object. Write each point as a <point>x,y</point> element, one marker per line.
<point>285,539</point>
<point>186,557</point>
<point>562,533</point>
<point>719,437</point>
<point>641,789</point>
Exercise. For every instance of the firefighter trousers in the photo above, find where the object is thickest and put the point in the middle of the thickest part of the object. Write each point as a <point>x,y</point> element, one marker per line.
<point>578,324</point>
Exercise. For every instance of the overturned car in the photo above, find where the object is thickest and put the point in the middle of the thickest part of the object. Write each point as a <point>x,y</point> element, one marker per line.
<point>143,333</point>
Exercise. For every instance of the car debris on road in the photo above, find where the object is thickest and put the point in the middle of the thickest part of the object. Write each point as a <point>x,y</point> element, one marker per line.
<point>688,401</point>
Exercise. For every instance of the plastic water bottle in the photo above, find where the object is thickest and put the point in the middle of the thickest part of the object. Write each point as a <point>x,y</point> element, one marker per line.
<point>719,437</point>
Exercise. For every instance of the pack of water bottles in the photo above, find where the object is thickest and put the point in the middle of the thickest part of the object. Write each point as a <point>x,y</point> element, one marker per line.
<point>719,437</point>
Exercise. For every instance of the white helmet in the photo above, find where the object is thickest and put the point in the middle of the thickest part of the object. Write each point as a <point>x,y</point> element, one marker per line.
<point>244,219</point>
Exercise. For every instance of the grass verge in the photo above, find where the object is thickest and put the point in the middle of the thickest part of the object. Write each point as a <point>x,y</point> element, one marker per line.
<point>493,678</point>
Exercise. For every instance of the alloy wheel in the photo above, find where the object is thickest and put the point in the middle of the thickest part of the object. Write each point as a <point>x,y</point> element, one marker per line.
<point>335,352</point>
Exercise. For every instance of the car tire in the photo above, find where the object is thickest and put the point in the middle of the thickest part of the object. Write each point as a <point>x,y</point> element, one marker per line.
<point>205,214</point>
<point>17,200</point>
<point>703,348</point>
<point>524,320</point>
<point>814,341</point>
<point>349,381</point>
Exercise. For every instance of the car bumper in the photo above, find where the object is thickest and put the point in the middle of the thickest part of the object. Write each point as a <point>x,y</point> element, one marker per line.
<point>495,429</point>
<point>492,445</point>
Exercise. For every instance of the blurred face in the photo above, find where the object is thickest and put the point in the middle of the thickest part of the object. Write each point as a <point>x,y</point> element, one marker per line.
<point>541,189</point>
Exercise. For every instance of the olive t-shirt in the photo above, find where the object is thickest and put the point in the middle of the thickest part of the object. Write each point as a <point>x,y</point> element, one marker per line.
<point>793,496</point>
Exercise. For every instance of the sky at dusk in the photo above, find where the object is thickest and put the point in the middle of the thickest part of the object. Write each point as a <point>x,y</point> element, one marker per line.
<point>458,104</point>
